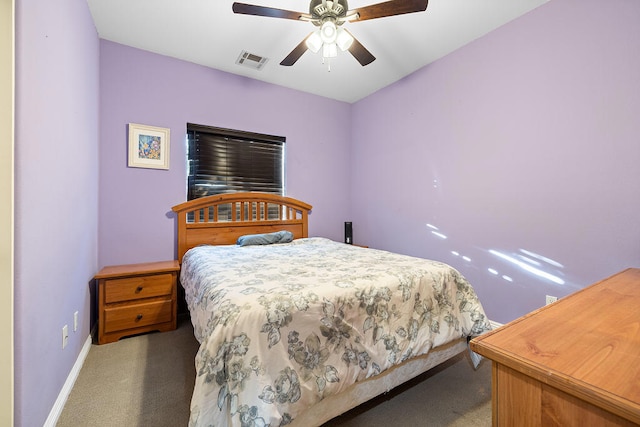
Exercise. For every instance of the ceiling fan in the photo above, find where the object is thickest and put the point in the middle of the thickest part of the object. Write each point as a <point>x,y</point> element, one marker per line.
<point>329,16</point>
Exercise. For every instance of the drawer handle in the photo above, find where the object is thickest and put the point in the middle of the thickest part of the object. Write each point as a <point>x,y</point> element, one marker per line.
<point>139,289</point>
<point>139,316</point>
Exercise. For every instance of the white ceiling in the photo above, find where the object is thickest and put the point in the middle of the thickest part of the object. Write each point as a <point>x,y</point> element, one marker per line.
<point>207,32</point>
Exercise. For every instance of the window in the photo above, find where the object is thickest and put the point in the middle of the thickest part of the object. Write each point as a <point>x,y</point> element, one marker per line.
<point>227,161</point>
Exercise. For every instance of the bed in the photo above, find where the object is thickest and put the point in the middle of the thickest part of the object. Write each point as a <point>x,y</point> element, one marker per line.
<point>300,331</point>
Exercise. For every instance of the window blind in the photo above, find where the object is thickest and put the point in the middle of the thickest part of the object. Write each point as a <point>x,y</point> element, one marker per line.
<point>226,161</point>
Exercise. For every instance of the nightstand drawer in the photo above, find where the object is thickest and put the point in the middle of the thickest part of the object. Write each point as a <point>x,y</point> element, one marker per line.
<point>137,315</point>
<point>131,288</point>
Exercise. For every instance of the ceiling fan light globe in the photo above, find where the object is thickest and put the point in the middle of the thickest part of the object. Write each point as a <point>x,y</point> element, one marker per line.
<point>329,32</point>
<point>329,50</point>
<point>344,39</point>
<point>314,42</point>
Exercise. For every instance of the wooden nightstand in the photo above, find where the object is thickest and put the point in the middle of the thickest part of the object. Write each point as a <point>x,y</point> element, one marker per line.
<point>136,298</point>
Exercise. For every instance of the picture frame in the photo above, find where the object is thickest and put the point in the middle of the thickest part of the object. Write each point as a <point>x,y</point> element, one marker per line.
<point>148,146</point>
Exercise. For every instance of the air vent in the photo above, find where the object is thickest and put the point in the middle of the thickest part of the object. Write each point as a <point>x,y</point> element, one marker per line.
<point>250,60</point>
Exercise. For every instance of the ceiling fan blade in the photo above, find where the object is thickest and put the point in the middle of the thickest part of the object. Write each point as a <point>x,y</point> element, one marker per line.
<point>296,53</point>
<point>251,9</point>
<point>362,55</point>
<point>390,8</point>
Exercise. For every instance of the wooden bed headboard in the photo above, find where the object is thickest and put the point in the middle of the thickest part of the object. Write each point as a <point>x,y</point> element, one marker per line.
<point>220,219</point>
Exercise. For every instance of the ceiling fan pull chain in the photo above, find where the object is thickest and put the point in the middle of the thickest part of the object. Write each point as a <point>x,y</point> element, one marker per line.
<point>324,58</point>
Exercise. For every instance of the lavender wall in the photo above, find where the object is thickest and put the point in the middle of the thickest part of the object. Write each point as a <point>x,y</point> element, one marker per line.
<point>524,140</point>
<point>135,224</point>
<point>56,198</point>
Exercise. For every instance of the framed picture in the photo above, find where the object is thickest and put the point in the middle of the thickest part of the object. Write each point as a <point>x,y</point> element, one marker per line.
<point>148,147</point>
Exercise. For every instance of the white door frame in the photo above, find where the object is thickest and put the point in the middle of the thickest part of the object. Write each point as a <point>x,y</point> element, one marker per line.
<point>7,85</point>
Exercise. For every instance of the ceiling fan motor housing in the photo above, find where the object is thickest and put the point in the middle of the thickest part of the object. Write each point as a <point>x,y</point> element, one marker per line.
<point>321,9</point>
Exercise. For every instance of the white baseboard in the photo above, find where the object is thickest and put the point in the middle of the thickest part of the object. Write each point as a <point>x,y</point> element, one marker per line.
<point>52,419</point>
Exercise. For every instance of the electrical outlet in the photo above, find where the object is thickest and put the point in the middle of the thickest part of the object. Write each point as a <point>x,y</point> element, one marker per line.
<point>75,321</point>
<point>65,335</point>
<point>551,299</point>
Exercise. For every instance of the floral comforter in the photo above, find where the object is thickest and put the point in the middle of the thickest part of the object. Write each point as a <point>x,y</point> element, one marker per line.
<point>283,326</point>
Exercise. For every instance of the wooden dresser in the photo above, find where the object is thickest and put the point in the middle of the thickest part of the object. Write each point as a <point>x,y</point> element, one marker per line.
<point>575,362</point>
<point>136,298</point>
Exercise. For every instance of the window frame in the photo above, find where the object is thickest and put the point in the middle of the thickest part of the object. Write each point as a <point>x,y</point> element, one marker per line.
<point>232,136</point>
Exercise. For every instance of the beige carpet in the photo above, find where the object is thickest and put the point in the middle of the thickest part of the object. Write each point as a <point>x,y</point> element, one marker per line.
<point>148,380</point>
